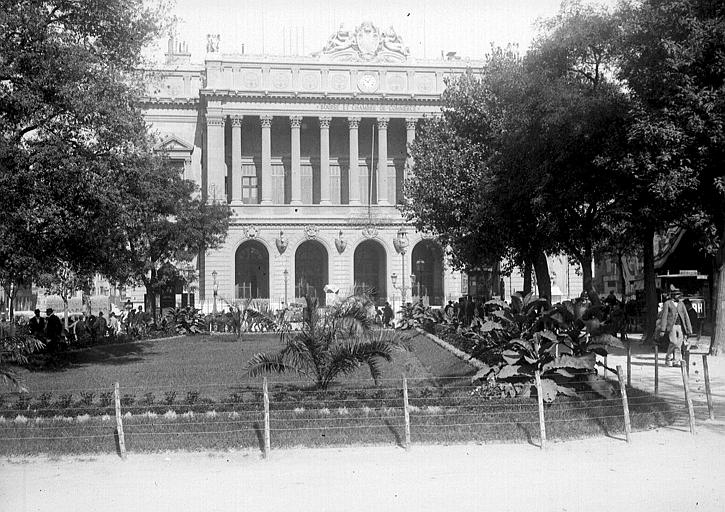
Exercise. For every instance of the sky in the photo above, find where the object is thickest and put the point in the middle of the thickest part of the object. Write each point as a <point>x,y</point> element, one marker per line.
<point>300,27</point>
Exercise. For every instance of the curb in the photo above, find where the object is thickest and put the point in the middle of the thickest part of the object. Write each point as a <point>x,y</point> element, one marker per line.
<point>453,350</point>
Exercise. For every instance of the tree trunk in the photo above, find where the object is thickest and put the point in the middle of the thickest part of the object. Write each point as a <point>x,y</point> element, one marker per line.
<point>541,267</point>
<point>650,287</point>
<point>150,285</point>
<point>13,291</point>
<point>527,278</point>
<point>588,278</point>
<point>717,341</point>
<point>622,282</point>
<point>65,311</point>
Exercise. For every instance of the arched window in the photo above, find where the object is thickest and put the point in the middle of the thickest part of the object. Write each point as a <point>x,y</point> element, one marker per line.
<point>427,261</point>
<point>311,270</point>
<point>370,270</point>
<point>251,271</point>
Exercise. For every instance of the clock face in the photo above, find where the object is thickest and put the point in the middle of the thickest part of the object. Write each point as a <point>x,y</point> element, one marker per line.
<point>368,83</point>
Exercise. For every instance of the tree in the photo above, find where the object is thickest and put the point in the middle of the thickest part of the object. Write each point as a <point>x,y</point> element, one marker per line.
<point>672,61</point>
<point>331,343</point>
<point>459,188</point>
<point>163,221</point>
<point>69,120</point>
<point>64,282</point>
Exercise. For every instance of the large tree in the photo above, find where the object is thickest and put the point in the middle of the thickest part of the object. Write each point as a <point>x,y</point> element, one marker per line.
<point>673,63</point>
<point>69,123</point>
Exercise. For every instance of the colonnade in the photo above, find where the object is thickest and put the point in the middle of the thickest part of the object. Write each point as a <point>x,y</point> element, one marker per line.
<point>216,167</point>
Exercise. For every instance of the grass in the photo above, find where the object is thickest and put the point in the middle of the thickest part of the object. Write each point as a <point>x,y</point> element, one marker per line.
<point>192,394</point>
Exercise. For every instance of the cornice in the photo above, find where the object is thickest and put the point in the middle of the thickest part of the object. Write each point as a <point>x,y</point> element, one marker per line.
<point>295,97</point>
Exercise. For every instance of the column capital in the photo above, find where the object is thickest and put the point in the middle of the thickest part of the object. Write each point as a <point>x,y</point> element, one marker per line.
<point>383,123</point>
<point>410,122</point>
<point>214,120</point>
<point>237,120</point>
<point>325,121</point>
<point>266,120</point>
<point>295,121</point>
<point>353,122</point>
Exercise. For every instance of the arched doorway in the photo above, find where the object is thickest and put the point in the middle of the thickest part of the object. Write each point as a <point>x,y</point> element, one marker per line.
<point>427,261</point>
<point>311,270</point>
<point>251,271</point>
<point>370,270</point>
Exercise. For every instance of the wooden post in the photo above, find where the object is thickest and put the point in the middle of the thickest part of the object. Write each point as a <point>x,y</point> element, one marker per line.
<point>119,422</point>
<point>406,413</point>
<point>629,364</point>
<point>267,443</point>
<point>625,404</point>
<point>688,400</point>
<point>605,366</point>
<point>708,393</point>
<point>657,368</point>
<point>540,398</point>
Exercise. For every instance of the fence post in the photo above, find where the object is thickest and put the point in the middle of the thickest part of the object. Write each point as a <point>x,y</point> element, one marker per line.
<point>625,404</point>
<point>540,399</point>
<point>267,443</point>
<point>119,422</point>
<point>605,366</point>
<point>406,413</point>
<point>629,364</point>
<point>708,392</point>
<point>688,400</point>
<point>657,368</point>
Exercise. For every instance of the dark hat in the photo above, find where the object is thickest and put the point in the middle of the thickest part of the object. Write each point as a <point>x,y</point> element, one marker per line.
<point>49,311</point>
<point>675,292</point>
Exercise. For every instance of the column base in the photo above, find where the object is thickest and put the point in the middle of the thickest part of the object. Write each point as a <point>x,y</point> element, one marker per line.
<point>325,202</point>
<point>266,202</point>
<point>383,202</point>
<point>354,202</point>
<point>296,203</point>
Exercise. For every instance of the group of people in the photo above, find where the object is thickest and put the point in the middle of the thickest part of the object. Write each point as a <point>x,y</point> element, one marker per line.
<point>465,310</point>
<point>87,328</point>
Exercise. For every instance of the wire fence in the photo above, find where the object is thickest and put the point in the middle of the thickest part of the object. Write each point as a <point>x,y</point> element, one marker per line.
<point>284,413</point>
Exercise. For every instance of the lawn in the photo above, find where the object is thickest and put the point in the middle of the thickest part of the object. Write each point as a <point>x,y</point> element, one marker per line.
<point>192,393</point>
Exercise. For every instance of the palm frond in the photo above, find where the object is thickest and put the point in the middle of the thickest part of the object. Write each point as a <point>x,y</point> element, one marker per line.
<point>272,363</point>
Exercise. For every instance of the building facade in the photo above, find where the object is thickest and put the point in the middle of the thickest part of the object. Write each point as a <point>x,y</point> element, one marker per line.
<point>310,152</point>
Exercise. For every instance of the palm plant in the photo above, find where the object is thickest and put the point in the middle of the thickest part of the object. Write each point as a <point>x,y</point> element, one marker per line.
<point>332,342</point>
<point>14,350</point>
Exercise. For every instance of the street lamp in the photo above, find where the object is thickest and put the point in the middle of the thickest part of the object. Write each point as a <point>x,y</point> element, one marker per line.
<point>419,265</point>
<point>401,245</point>
<point>286,275</point>
<point>216,289</point>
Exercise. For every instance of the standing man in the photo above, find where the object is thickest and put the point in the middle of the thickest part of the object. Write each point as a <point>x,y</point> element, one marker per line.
<point>676,323</point>
<point>37,325</point>
<point>100,327</point>
<point>53,330</point>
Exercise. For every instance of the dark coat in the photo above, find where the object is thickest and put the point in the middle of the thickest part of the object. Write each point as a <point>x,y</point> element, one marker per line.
<point>53,327</point>
<point>37,325</point>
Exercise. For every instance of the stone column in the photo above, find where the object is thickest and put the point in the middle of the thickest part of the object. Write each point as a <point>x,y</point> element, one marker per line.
<point>325,159</point>
<point>409,138</point>
<point>354,181</point>
<point>266,158</point>
<point>236,158</point>
<point>295,122</point>
<point>215,167</point>
<point>383,161</point>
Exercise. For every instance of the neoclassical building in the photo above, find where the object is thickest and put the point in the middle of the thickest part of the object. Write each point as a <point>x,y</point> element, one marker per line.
<point>310,152</point>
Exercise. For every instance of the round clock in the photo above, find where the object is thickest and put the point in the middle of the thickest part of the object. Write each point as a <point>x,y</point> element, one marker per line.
<point>368,83</point>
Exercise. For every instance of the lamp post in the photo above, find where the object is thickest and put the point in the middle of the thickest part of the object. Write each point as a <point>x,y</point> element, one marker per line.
<point>419,265</point>
<point>401,245</point>
<point>286,275</point>
<point>216,289</point>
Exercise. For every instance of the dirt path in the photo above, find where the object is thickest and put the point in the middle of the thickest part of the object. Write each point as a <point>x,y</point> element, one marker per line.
<point>661,470</point>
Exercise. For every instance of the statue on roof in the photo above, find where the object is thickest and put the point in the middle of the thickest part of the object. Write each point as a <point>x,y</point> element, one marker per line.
<point>365,43</point>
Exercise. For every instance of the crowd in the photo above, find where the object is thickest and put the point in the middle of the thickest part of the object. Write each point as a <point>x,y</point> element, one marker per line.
<point>86,328</point>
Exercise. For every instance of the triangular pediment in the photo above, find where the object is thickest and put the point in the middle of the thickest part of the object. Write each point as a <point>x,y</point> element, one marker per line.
<point>175,144</point>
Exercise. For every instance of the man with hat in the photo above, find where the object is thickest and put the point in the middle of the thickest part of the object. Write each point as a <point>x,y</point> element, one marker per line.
<point>676,323</point>
<point>53,330</point>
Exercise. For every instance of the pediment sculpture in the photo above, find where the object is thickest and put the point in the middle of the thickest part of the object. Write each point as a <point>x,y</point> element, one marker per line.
<point>365,43</point>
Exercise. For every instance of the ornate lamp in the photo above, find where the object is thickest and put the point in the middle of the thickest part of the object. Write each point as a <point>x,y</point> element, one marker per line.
<point>216,289</point>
